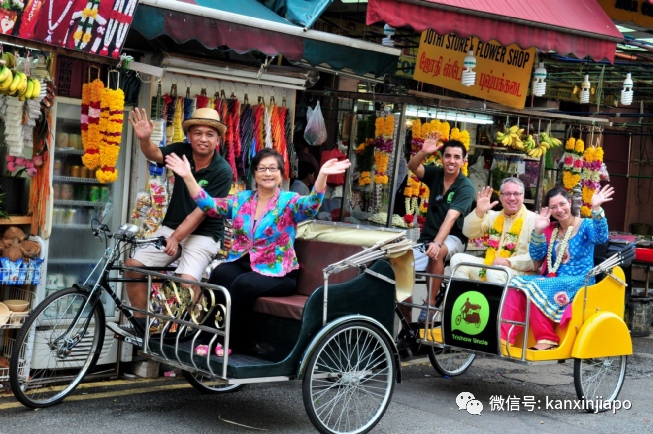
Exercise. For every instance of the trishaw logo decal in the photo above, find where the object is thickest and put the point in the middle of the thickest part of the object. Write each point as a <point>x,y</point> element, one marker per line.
<point>470,314</point>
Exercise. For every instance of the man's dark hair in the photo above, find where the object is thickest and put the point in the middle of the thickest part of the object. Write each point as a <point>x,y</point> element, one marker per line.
<point>305,169</point>
<point>455,144</point>
<point>264,153</point>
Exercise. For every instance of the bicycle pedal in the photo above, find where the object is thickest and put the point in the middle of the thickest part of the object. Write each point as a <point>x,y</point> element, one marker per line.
<point>134,341</point>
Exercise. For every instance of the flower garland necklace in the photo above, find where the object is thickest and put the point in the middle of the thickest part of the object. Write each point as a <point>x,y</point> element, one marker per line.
<point>52,28</point>
<point>111,120</point>
<point>91,136</point>
<point>572,163</point>
<point>591,176</point>
<point>83,34</point>
<point>494,248</point>
<point>563,247</point>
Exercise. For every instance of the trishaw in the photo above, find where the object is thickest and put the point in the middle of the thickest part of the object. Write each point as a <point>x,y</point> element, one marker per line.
<point>335,333</point>
<point>468,320</point>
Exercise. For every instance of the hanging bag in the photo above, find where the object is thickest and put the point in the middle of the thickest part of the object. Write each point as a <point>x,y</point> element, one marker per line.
<point>315,133</point>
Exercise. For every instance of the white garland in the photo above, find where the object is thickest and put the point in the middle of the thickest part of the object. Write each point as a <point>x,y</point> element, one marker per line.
<point>561,252</point>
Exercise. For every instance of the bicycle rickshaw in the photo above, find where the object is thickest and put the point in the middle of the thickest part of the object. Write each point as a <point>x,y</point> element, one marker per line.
<point>335,334</point>
<point>596,337</point>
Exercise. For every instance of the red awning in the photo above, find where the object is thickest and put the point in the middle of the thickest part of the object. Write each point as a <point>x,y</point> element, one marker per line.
<point>579,27</point>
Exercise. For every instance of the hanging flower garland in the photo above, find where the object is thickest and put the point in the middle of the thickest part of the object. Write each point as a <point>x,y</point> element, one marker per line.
<point>384,129</point>
<point>494,249</point>
<point>91,140</point>
<point>113,105</point>
<point>572,163</point>
<point>591,176</point>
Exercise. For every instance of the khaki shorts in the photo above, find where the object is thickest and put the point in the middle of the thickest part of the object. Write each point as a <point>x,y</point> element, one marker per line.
<point>196,254</point>
<point>454,245</point>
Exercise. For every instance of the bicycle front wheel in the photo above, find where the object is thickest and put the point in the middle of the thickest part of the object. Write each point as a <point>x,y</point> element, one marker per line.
<point>59,351</point>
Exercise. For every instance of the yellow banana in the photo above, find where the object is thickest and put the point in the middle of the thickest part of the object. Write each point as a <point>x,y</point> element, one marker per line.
<point>505,141</point>
<point>513,129</point>
<point>30,89</point>
<point>4,73</point>
<point>14,82</point>
<point>36,91</point>
<point>520,131</point>
<point>4,86</point>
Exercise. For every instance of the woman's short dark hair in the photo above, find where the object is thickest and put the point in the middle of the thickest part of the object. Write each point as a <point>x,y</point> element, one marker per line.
<point>454,144</point>
<point>556,191</point>
<point>264,153</point>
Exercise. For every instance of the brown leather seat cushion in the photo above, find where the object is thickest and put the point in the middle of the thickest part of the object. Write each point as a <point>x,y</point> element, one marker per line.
<point>313,257</point>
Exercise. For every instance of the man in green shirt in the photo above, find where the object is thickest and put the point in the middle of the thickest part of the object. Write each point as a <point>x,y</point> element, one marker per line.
<point>450,200</point>
<point>198,236</point>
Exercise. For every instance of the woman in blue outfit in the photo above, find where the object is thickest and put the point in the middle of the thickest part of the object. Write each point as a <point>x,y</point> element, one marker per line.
<point>566,248</point>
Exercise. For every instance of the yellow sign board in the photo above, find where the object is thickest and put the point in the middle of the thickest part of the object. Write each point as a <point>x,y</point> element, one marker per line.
<point>502,73</point>
<point>639,12</point>
<point>565,92</point>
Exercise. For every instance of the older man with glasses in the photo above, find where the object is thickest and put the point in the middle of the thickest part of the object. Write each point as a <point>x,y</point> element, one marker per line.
<point>509,231</point>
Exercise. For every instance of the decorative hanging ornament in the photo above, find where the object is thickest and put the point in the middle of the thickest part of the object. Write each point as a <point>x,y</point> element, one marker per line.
<point>388,31</point>
<point>585,90</point>
<point>539,85</point>
<point>627,92</point>
<point>469,76</point>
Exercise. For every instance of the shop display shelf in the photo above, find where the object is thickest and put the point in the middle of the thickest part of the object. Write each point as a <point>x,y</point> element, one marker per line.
<point>17,220</point>
<point>15,320</point>
<point>76,226</point>
<point>7,348</point>
<point>9,276</point>
<point>72,261</point>
<point>69,151</point>
<point>73,203</point>
<point>74,180</point>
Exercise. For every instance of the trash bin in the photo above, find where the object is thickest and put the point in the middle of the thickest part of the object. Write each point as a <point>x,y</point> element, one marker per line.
<point>639,316</point>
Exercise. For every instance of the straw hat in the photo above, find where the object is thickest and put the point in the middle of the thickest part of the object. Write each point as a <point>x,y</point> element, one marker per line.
<point>206,117</point>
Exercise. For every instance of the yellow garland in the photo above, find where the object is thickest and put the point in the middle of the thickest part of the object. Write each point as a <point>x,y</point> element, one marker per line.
<point>365,178</point>
<point>571,144</point>
<point>92,136</point>
<point>580,146</point>
<point>570,180</point>
<point>77,35</point>
<point>381,159</point>
<point>417,129</point>
<point>585,211</point>
<point>113,105</point>
<point>89,13</point>
<point>495,235</point>
<point>389,126</point>
<point>379,126</point>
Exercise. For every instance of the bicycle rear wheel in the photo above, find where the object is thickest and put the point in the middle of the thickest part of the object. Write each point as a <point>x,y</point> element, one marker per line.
<point>57,354</point>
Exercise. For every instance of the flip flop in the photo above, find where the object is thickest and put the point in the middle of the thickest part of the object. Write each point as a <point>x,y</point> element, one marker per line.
<point>219,351</point>
<point>202,350</point>
<point>552,347</point>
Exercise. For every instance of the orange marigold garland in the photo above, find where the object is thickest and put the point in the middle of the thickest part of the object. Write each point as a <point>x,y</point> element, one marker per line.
<point>91,137</point>
<point>111,119</point>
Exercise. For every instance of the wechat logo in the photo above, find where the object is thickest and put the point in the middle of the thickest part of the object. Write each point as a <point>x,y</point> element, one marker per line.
<point>470,313</point>
<point>203,183</point>
<point>467,401</point>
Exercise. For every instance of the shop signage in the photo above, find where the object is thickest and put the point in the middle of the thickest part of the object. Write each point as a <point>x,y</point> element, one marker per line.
<point>502,73</point>
<point>565,92</point>
<point>638,12</point>
<point>92,26</point>
<point>470,316</point>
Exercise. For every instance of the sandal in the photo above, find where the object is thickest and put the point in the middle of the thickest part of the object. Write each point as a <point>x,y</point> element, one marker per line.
<point>550,347</point>
<point>219,351</point>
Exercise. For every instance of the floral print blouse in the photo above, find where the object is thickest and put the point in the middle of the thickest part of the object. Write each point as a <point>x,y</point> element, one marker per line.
<point>270,239</point>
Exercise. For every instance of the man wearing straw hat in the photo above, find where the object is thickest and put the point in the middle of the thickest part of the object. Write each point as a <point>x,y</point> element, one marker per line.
<point>198,236</point>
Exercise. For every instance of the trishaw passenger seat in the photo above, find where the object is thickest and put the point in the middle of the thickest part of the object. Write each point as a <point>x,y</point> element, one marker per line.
<point>313,257</point>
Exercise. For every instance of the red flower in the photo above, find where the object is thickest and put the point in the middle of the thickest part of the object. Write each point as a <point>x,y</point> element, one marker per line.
<point>409,218</point>
<point>283,239</point>
<point>268,231</point>
<point>238,223</point>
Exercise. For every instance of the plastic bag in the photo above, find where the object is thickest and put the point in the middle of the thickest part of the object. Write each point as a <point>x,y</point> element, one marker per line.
<point>603,174</point>
<point>315,133</point>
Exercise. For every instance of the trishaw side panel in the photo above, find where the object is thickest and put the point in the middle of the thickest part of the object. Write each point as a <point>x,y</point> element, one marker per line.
<point>471,314</point>
<point>604,334</point>
<point>365,295</point>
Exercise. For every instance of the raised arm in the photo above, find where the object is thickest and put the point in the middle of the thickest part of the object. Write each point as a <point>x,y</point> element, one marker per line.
<point>538,247</point>
<point>598,232</point>
<point>429,147</point>
<point>143,128</point>
<point>306,207</point>
<point>213,207</point>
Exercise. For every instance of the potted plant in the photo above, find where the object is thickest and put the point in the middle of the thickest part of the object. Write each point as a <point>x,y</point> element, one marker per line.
<point>13,184</point>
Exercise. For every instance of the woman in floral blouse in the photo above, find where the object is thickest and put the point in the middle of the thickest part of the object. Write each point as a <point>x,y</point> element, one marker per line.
<point>262,260</point>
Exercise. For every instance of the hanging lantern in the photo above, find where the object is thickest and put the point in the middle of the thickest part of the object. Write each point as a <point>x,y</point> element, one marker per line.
<point>539,85</point>
<point>585,90</point>
<point>627,92</point>
<point>469,76</point>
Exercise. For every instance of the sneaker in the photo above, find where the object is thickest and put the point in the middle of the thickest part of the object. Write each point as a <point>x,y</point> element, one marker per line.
<point>126,332</point>
<point>434,315</point>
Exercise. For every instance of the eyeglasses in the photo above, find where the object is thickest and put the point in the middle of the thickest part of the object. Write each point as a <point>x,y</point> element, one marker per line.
<point>559,206</point>
<point>272,169</point>
<point>515,195</point>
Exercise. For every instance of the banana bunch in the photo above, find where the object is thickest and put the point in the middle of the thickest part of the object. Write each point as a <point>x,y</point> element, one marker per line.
<point>511,138</point>
<point>538,147</point>
<point>19,84</point>
<point>551,142</point>
<point>9,59</point>
<point>529,143</point>
<point>6,78</point>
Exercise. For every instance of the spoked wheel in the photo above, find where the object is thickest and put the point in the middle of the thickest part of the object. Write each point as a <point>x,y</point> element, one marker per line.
<point>207,385</point>
<point>349,379</point>
<point>61,352</point>
<point>450,362</point>
<point>599,379</point>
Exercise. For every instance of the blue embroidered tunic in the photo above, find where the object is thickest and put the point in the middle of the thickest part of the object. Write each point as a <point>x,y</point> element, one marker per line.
<point>552,294</point>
